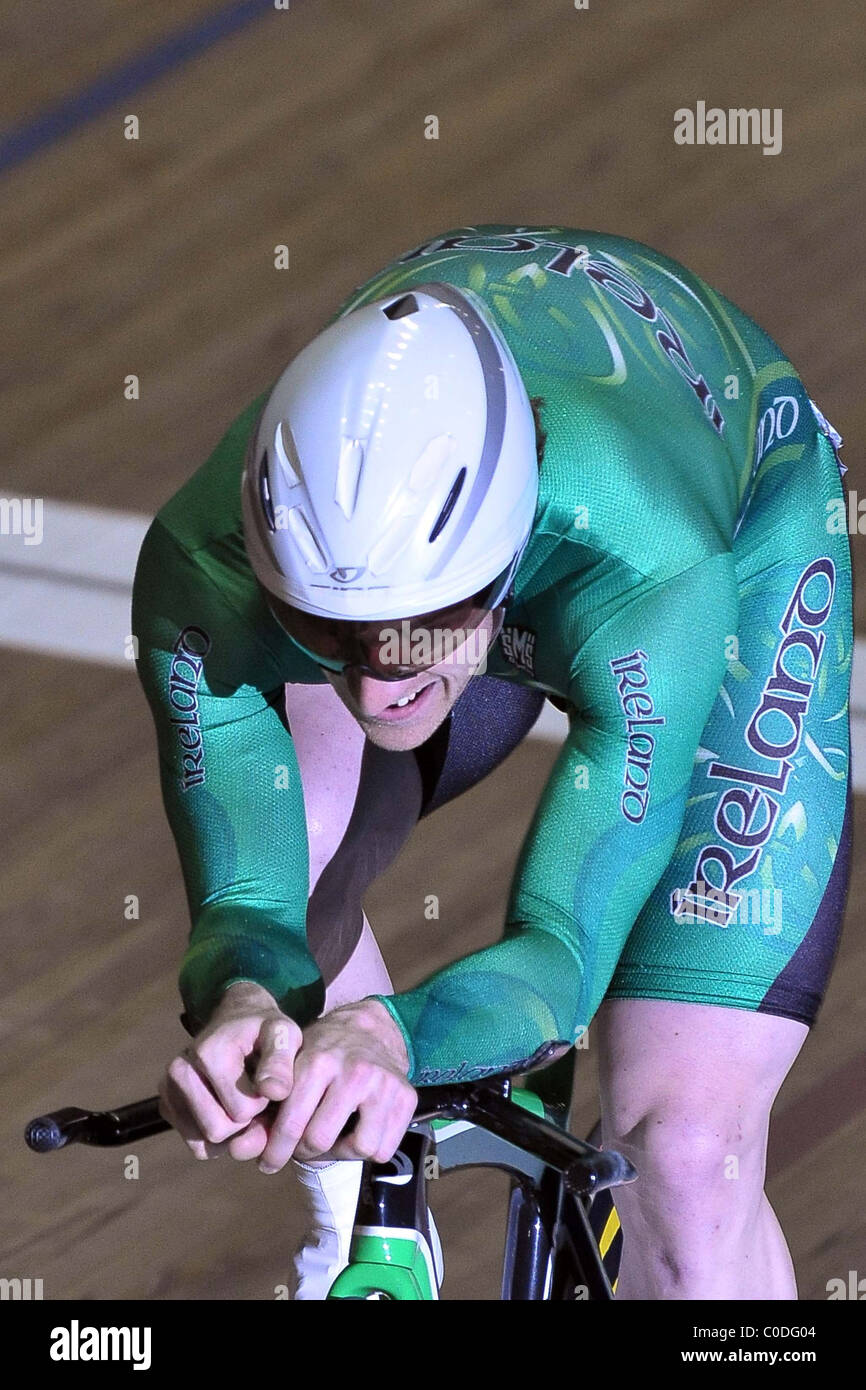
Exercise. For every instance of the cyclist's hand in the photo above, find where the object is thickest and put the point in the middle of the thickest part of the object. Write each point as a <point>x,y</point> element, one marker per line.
<point>208,1094</point>
<point>352,1059</point>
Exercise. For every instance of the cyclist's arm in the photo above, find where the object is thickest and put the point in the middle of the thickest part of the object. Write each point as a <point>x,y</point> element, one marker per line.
<point>231,788</point>
<point>585,869</point>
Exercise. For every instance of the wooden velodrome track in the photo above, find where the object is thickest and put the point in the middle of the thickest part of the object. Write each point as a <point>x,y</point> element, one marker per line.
<point>156,257</point>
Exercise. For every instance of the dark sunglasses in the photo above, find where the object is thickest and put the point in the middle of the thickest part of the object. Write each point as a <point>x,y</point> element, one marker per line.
<point>390,650</point>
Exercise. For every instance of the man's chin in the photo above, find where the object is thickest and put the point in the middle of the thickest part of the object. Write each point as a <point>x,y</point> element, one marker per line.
<point>400,736</point>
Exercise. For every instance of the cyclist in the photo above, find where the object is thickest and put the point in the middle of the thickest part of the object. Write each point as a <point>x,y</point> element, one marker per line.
<point>519,463</point>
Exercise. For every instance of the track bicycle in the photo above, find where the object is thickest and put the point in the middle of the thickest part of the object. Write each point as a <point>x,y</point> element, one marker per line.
<point>563,1236</point>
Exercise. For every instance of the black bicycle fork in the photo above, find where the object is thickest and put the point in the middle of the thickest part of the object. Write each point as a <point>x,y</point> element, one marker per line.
<point>551,1251</point>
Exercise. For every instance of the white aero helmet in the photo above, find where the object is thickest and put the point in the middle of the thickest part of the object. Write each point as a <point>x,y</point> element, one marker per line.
<point>393,470</point>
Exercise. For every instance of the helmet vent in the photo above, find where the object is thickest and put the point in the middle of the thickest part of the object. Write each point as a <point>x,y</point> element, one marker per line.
<point>448,506</point>
<point>399,308</point>
<point>265,493</point>
<point>306,541</point>
<point>348,475</point>
<point>287,453</point>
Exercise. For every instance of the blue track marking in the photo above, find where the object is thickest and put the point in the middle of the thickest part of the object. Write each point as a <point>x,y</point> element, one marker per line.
<point>28,138</point>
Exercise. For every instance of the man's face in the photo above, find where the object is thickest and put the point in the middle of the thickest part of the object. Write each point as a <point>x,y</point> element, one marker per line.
<point>428,695</point>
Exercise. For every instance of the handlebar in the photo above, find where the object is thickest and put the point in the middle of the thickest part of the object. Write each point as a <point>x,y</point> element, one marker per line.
<point>486,1104</point>
<point>104,1128</point>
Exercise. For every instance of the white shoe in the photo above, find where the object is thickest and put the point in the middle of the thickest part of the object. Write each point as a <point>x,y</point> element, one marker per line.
<point>331,1191</point>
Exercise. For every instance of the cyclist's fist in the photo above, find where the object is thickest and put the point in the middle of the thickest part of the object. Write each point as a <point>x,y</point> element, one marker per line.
<point>353,1059</point>
<point>214,1091</point>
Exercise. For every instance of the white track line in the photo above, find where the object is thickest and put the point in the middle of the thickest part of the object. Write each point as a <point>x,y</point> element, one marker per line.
<point>69,595</point>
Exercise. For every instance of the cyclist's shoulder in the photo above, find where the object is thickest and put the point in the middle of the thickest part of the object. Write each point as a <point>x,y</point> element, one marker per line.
<point>208,502</point>
<point>604,529</point>
<point>193,568</point>
<point>208,592</point>
<point>503,263</point>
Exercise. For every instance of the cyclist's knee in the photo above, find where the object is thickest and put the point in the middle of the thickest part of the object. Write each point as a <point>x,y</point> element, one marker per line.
<point>708,1160</point>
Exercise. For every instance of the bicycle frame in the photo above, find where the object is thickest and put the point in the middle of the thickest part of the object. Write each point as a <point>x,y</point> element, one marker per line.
<point>555,1247</point>
<point>552,1250</point>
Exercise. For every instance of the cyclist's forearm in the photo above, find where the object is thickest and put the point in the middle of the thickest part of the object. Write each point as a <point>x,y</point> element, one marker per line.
<point>491,1010</point>
<point>232,942</point>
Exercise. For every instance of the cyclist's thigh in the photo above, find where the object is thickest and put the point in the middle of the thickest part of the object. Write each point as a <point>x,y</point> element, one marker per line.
<point>362,802</point>
<point>749,911</point>
<point>488,721</point>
